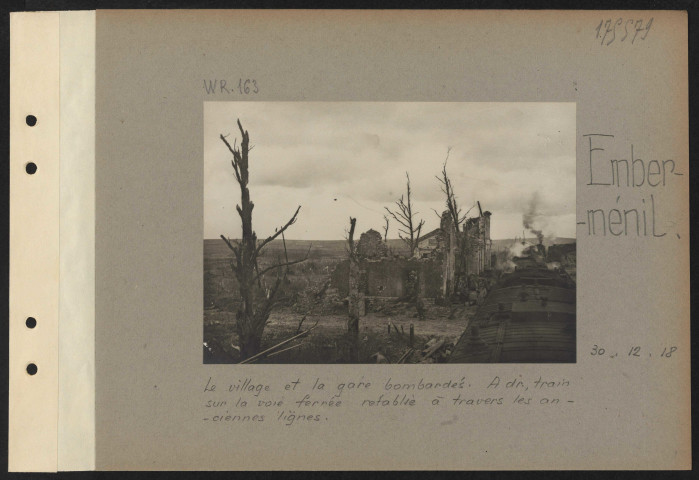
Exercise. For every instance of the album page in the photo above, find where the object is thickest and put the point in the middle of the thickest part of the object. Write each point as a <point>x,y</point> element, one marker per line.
<point>349,240</point>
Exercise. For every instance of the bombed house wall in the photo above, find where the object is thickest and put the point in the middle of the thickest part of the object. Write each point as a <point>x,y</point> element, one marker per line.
<point>431,279</point>
<point>442,244</point>
<point>388,277</point>
<point>339,278</point>
<point>436,266</point>
<point>371,245</point>
<point>385,278</point>
<point>487,242</point>
<point>431,243</point>
<point>480,255</point>
<point>474,232</point>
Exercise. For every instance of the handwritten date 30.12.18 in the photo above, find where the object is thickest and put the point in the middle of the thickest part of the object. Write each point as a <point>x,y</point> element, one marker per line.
<point>634,351</point>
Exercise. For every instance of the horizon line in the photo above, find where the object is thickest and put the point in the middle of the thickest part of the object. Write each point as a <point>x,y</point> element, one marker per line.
<point>389,239</point>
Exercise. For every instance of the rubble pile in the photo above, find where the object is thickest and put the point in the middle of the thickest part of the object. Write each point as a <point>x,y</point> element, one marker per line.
<point>436,350</point>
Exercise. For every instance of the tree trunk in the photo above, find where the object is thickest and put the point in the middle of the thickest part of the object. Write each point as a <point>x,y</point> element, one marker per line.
<point>255,307</point>
<point>249,345</point>
<point>353,298</point>
<point>449,257</point>
<point>354,311</point>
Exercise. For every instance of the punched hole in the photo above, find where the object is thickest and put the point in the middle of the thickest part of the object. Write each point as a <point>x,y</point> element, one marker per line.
<point>31,322</point>
<point>32,369</point>
<point>31,168</point>
<point>31,120</point>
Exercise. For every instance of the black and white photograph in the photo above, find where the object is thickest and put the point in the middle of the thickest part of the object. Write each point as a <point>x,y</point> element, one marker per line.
<point>241,237</point>
<point>389,233</point>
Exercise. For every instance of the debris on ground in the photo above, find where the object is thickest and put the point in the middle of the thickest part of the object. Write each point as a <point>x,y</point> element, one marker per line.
<point>379,358</point>
<point>406,355</point>
<point>436,350</point>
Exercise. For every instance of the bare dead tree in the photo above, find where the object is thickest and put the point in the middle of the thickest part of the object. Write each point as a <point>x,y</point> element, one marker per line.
<point>350,238</point>
<point>385,230</point>
<point>409,230</point>
<point>257,298</point>
<point>353,297</point>
<point>458,219</point>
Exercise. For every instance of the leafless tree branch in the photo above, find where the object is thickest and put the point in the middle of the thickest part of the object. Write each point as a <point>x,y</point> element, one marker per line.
<point>287,263</point>
<point>278,232</point>
<point>405,216</point>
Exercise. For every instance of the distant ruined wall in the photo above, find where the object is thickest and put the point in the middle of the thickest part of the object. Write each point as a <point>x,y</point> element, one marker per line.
<point>389,277</point>
<point>385,278</point>
<point>339,278</point>
<point>480,255</point>
<point>371,245</point>
<point>488,242</point>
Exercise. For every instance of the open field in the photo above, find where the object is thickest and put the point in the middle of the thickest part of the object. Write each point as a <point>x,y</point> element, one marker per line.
<point>220,286</point>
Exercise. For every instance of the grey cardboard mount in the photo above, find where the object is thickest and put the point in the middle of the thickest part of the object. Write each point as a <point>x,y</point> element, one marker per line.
<point>136,352</point>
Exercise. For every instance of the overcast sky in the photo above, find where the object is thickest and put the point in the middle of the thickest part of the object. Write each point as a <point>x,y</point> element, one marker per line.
<point>342,159</point>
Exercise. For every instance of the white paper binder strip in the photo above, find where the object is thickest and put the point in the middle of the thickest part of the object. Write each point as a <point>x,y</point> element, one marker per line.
<point>76,332</point>
<point>34,241</point>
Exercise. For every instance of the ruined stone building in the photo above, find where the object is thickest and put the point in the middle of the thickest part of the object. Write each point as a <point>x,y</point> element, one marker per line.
<point>477,229</point>
<point>381,275</point>
<point>436,265</point>
<point>371,245</point>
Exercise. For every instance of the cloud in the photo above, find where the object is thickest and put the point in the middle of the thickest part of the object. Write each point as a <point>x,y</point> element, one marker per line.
<point>355,155</point>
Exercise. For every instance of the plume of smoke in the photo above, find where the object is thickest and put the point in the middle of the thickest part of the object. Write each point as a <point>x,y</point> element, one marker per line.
<point>531,218</point>
<point>516,249</point>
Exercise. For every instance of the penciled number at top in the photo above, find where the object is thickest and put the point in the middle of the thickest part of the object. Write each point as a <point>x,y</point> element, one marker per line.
<point>629,30</point>
<point>240,86</point>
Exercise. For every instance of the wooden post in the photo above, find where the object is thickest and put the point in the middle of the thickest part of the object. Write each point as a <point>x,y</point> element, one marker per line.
<point>353,297</point>
<point>389,327</point>
<point>449,258</point>
<point>412,334</point>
